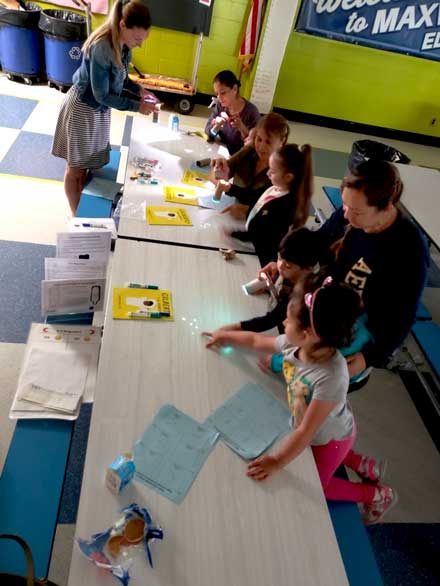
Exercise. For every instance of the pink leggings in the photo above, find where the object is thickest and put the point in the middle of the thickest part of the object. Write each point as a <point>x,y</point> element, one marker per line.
<point>328,458</point>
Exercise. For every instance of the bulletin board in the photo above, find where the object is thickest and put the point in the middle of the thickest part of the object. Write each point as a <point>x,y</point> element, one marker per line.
<point>188,16</point>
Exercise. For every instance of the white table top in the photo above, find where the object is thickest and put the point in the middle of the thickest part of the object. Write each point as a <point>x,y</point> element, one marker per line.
<point>228,529</point>
<point>421,198</point>
<point>176,152</point>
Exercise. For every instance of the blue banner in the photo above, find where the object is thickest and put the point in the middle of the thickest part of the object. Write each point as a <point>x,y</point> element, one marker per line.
<point>410,27</point>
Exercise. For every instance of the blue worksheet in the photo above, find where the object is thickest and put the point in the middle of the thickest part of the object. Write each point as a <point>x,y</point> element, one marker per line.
<point>250,421</point>
<point>205,201</point>
<point>171,452</point>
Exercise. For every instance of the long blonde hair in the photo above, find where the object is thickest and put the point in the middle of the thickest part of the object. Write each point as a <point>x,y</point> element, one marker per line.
<point>134,13</point>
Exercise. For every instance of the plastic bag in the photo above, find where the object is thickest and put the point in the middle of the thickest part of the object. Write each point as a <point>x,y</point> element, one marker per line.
<point>362,150</point>
<point>115,548</point>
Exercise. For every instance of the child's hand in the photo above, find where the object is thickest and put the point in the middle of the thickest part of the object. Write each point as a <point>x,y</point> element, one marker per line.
<point>271,270</point>
<point>263,467</point>
<point>265,363</point>
<point>237,211</point>
<point>216,339</point>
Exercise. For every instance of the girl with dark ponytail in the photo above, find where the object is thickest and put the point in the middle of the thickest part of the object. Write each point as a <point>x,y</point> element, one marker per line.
<point>283,206</point>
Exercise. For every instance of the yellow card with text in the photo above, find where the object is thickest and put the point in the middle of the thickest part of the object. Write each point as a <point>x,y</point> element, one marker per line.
<point>135,303</point>
<point>167,216</point>
<point>198,179</point>
<point>176,194</point>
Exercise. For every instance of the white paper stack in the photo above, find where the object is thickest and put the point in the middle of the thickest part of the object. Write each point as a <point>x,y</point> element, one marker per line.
<point>58,372</point>
<point>75,280</point>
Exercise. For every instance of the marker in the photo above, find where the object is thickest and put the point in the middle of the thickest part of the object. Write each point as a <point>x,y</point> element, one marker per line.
<point>139,286</point>
<point>92,226</point>
<point>151,314</point>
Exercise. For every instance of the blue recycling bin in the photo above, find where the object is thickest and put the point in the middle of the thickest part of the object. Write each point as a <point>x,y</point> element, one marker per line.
<point>21,42</point>
<point>64,34</point>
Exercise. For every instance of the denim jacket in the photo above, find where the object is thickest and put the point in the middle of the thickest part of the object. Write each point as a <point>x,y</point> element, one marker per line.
<point>100,82</point>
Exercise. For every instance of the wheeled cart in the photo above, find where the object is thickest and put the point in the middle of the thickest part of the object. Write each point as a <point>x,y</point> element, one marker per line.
<point>183,89</point>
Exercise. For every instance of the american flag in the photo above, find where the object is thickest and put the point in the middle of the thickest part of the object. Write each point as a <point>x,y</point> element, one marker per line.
<point>250,40</point>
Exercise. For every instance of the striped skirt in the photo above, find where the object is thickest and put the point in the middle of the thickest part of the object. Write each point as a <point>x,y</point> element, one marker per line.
<point>82,134</point>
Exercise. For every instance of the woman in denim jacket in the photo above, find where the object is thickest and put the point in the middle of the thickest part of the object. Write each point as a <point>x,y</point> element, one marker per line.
<point>100,83</point>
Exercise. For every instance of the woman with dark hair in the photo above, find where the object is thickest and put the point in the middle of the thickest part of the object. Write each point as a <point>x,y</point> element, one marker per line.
<point>232,117</point>
<point>372,247</point>
<point>101,82</point>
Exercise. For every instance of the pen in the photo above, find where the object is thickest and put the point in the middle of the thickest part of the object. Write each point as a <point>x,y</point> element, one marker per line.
<point>152,314</point>
<point>92,226</point>
<point>139,286</point>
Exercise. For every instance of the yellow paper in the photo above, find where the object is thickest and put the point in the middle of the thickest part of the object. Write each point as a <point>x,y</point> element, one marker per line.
<point>177,194</point>
<point>198,179</point>
<point>167,215</point>
<point>129,299</point>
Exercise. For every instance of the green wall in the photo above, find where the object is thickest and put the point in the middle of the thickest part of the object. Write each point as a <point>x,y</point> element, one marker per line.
<point>172,53</point>
<point>318,76</point>
<point>359,84</point>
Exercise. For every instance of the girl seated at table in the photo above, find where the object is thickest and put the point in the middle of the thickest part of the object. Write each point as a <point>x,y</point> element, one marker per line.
<point>248,168</point>
<point>282,206</point>
<point>297,257</point>
<point>232,116</point>
<point>320,318</point>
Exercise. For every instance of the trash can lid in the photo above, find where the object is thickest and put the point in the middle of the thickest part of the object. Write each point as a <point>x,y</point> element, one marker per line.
<point>63,24</point>
<point>26,18</point>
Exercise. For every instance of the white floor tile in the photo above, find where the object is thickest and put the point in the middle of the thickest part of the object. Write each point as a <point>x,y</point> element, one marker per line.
<point>43,118</point>
<point>7,138</point>
<point>32,210</point>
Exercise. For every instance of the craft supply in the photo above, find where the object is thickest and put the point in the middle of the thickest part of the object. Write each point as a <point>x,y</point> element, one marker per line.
<point>150,314</point>
<point>228,253</point>
<point>218,191</point>
<point>218,174</point>
<point>120,472</point>
<point>203,162</point>
<point>139,286</point>
<point>254,286</point>
<point>156,113</point>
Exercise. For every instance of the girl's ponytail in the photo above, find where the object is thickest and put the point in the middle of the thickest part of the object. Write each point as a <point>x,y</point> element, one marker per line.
<point>304,187</point>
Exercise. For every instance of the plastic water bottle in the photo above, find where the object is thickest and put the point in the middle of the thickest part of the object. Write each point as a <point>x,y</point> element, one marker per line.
<point>175,123</point>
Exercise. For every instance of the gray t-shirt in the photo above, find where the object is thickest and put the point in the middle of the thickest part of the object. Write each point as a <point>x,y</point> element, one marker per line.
<point>326,381</point>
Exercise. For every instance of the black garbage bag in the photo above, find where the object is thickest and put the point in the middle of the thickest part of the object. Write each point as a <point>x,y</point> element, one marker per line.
<point>27,18</point>
<point>362,150</point>
<point>63,24</point>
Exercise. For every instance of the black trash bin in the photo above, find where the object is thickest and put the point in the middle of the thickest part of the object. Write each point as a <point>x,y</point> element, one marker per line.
<point>21,43</point>
<point>64,34</point>
<point>362,150</point>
